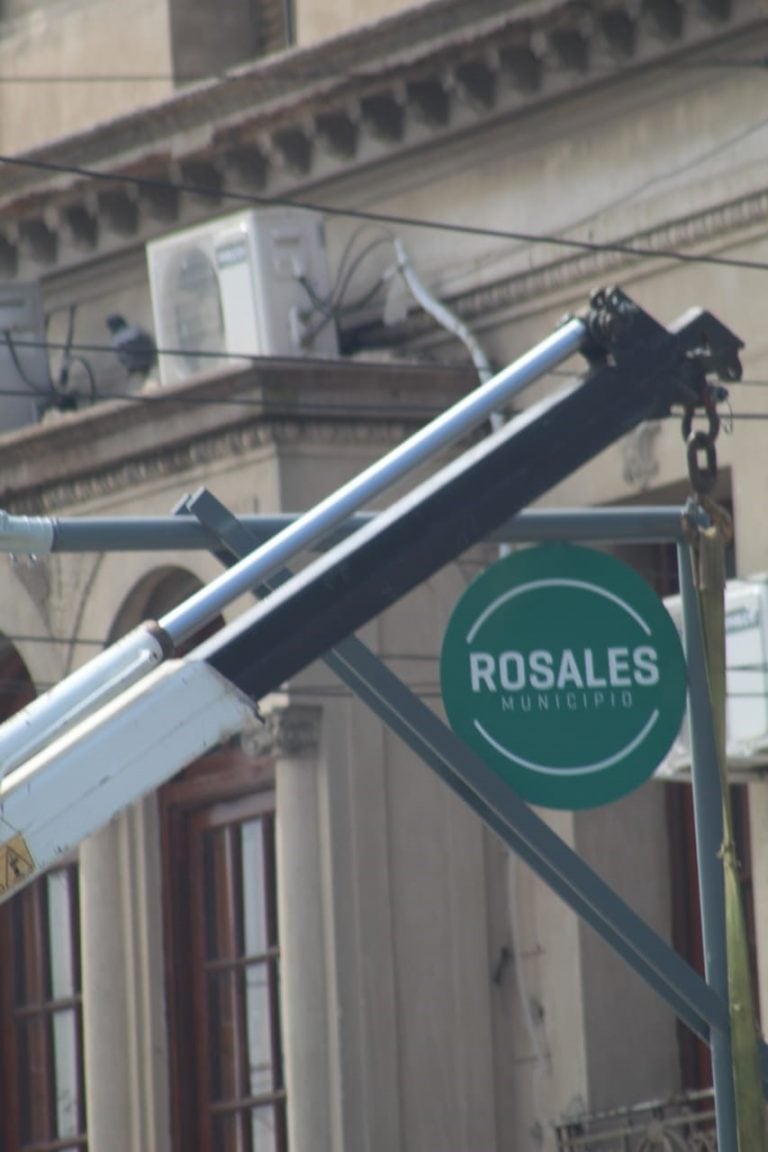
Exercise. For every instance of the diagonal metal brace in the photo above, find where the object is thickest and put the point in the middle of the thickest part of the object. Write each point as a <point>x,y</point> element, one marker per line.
<point>504,813</point>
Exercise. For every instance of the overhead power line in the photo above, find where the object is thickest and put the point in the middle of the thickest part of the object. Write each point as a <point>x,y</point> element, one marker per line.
<point>169,396</point>
<point>384,218</point>
<point>277,72</point>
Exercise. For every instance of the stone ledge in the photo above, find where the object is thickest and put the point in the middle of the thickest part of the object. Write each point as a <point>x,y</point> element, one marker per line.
<point>120,443</point>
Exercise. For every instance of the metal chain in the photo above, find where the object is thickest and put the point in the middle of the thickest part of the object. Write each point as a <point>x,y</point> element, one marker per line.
<point>700,446</point>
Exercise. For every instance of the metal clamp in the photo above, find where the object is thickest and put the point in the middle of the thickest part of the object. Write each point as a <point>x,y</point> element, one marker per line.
<point>703,475</point>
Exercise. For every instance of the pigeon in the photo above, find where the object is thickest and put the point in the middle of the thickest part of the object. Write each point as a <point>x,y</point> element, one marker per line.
<point>135,348</point>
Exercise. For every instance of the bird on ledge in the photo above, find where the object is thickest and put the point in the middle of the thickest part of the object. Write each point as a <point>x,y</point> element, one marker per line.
<point>135,348</point>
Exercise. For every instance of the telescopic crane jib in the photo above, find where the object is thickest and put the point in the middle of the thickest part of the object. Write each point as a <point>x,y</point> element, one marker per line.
<point>135,715</point>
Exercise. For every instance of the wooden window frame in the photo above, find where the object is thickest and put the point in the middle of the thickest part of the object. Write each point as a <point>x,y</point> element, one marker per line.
<point>27,1001</point>
<point>26,978</point>
<point>192,800</point>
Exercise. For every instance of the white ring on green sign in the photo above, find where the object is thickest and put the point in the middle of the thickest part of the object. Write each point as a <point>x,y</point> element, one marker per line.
<point>555,582</point>
<point>581,771</point>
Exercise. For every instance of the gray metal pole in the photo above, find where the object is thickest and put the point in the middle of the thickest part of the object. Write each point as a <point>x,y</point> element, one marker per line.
<point>708,815</point>
<point>25,535</point>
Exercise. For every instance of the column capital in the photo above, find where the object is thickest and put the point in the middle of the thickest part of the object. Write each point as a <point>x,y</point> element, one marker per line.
<point>287,731</point>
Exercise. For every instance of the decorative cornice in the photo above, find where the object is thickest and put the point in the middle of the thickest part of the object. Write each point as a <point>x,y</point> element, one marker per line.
<point>92,455</point>
<point>277,128</point>
<point>692,233</point>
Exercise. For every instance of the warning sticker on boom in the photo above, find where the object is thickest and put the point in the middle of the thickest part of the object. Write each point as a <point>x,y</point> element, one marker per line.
<point>16,863</point>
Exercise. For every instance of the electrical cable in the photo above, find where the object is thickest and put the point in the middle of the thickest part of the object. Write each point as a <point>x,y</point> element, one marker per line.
<point>67,399</point>
<point>627,197</point>
<point>476,230</point>
<point>39,390</point>
<point>632,194</point>
<point>92,388</point>
<point>344,276</point>
<point>313,407</point>
<point>280,73</point>
<point>318,407</point>
<point>51,393</point>
<point>172,397</point>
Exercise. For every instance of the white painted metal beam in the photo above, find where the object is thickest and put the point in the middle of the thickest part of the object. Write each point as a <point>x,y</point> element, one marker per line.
<point>111,759</point>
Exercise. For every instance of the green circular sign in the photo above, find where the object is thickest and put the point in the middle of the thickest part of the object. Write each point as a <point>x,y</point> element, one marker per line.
<point>564,671</point>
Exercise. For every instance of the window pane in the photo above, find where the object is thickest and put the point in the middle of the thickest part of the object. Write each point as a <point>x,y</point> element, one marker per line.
<point>263,1130</point>
<point>62,961</point>
<point>254,889</point>
<point>259,1033</point>
<point>66,1073</point>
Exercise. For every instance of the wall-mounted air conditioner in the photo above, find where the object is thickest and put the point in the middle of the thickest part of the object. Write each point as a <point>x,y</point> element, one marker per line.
<point>25,379</point>
<point>252,284</point>
<point>746,655</point>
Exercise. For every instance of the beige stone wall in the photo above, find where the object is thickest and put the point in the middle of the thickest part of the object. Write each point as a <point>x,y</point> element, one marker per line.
<point>58,47</point>
<point>321,19</point>
<point>61,63</point>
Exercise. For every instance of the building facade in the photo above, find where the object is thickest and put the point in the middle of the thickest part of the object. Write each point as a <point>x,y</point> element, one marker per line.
<point>304,941</point>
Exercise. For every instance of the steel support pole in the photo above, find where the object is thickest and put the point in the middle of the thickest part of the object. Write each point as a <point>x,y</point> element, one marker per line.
<point>708,816</point>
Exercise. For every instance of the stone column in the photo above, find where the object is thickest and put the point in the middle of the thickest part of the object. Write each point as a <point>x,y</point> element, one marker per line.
<point>291,735</point>
<point>126,1048</point>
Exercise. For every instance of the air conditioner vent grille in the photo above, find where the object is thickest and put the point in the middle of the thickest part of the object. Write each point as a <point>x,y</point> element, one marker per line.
<point>236,287</point>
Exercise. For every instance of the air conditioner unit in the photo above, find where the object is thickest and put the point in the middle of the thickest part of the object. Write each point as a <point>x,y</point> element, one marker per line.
<point>746,657</point>
<point>252,284</point>
<point>25,378</point>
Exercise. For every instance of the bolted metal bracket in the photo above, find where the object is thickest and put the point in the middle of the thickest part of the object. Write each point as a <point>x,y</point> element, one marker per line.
<point>704,348</point>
